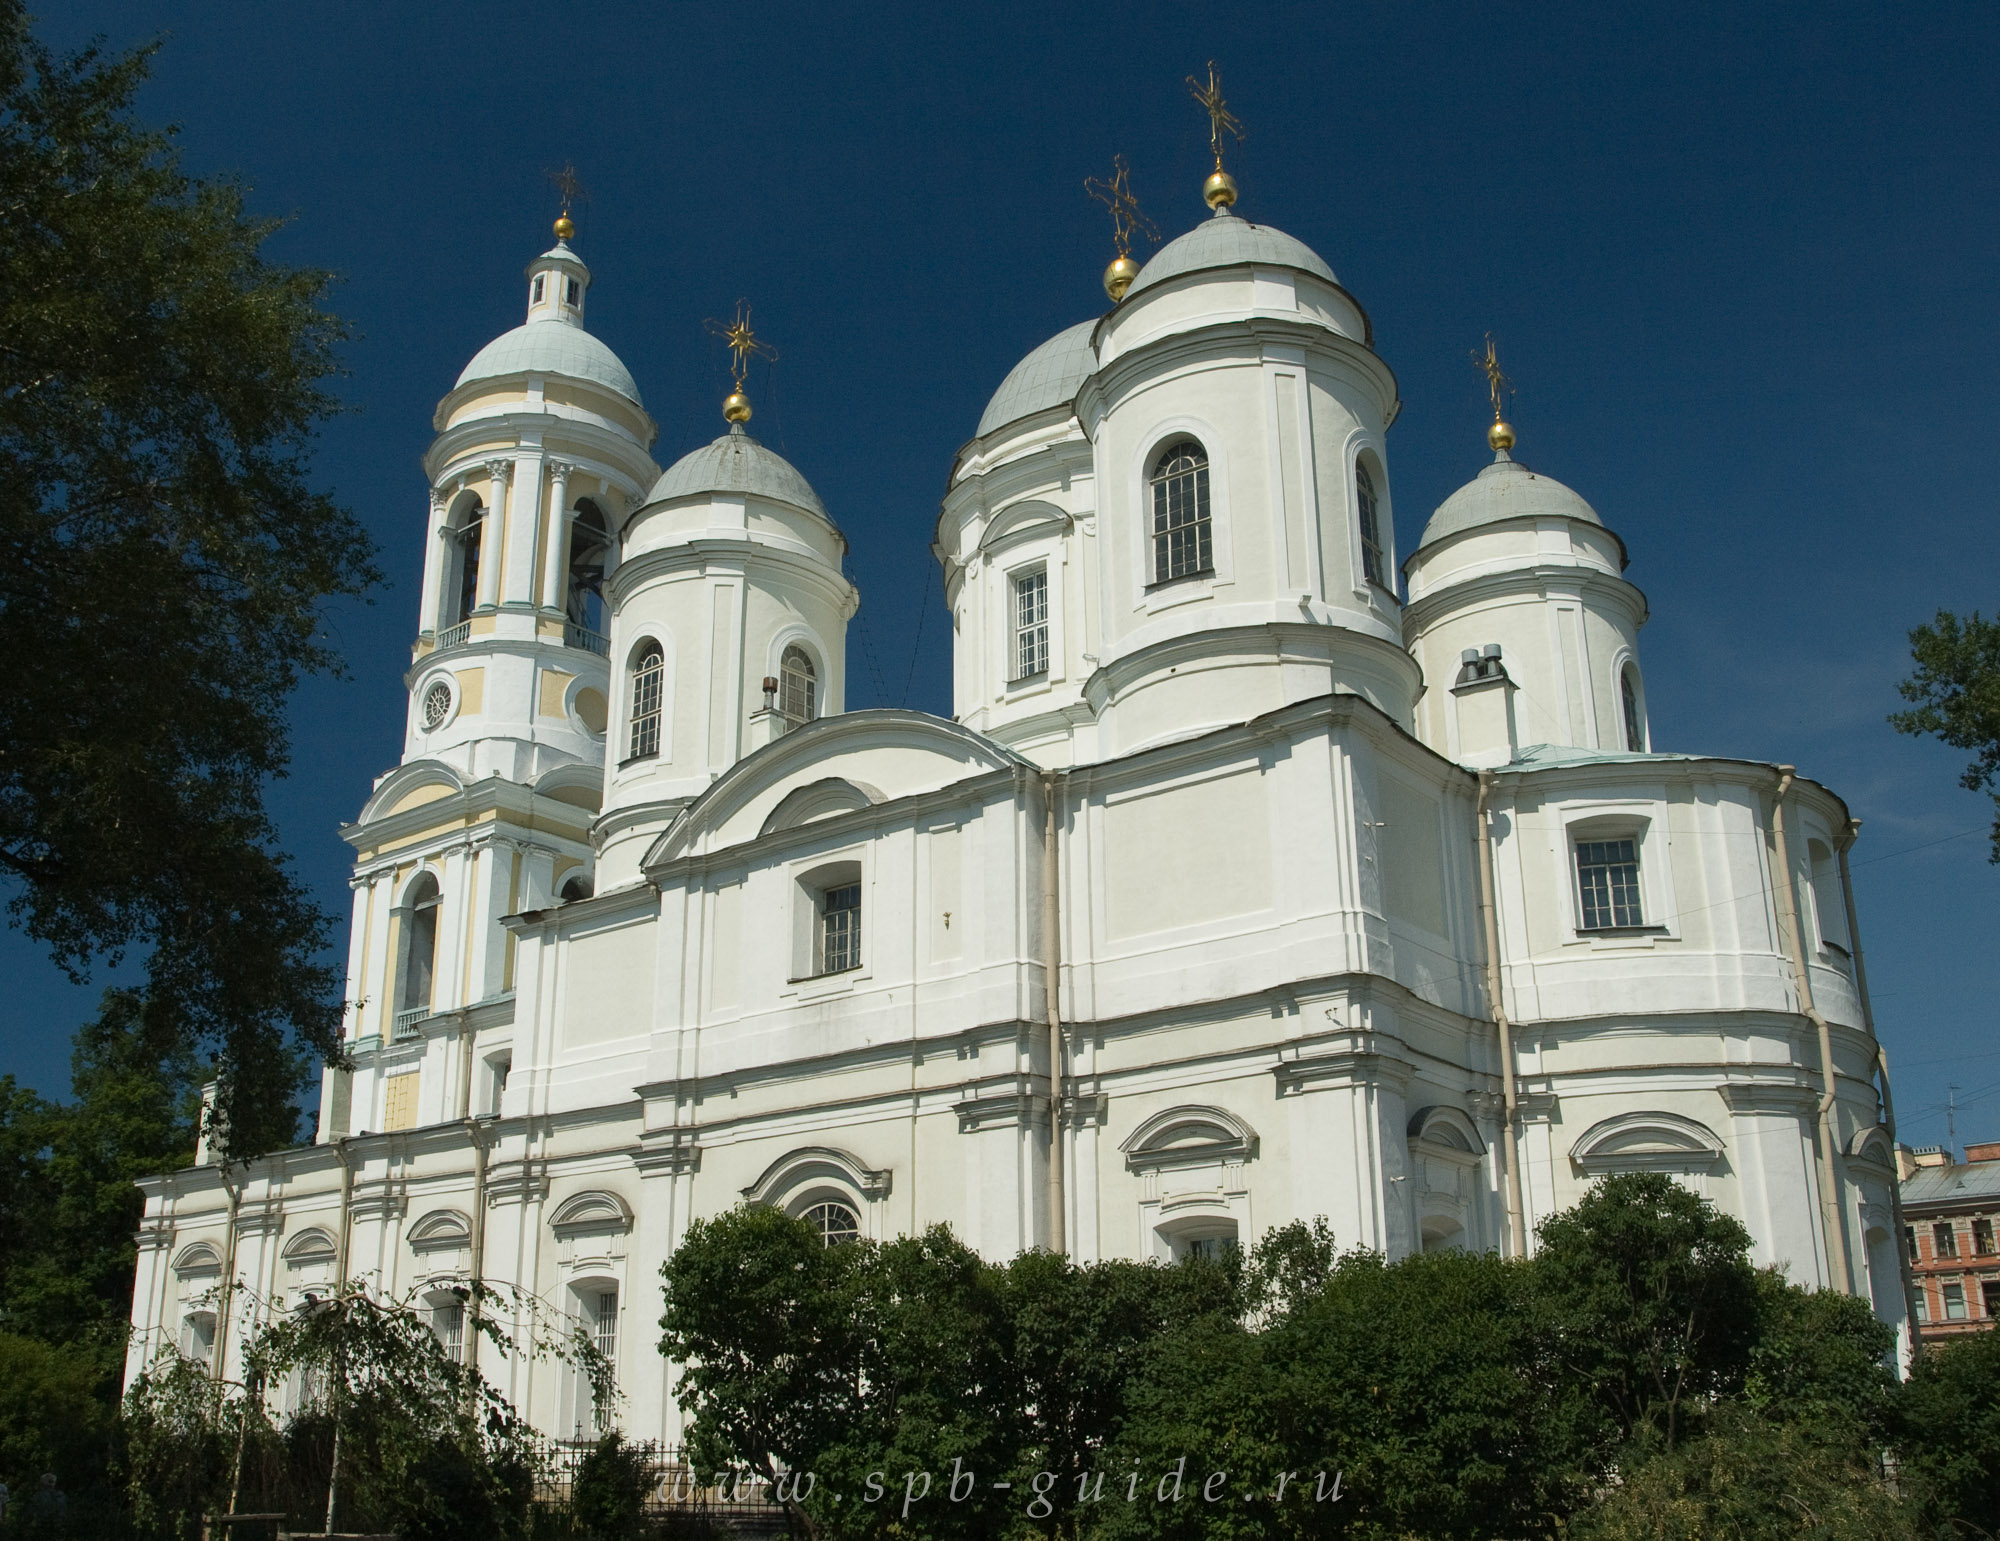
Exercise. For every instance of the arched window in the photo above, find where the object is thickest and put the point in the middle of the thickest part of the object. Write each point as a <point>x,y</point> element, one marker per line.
<point>589,544</point>
<point>834,1222</point>
<point>1628,693</point>
<point>798,686</point>
<point>1372,566</point>
<point>576,890</point>
<point>420,933</point>
<point>649,683</point>
<point>467,537</point>
<point>1181,544</point>
<point>594,1311</point>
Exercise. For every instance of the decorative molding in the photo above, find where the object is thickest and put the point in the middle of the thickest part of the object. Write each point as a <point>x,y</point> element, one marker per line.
<point>441,1230</point>
<point>1786,1097</point>
<point>666,1153</point>
<point>314,1244</point>
<point>1447,1131</point>
<point>517,1182</point>
<point>1189,1136</point>
<point>802,1166</point>
<point>1002,1103</point>
<point>1333,1061</point>
<point>387,1199</point>
<point>500,470</point>
<point>591,1213</point>
<point>1646,1142</point>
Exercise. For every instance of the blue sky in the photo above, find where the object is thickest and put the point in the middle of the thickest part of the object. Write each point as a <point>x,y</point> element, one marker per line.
<point>1739,260</point>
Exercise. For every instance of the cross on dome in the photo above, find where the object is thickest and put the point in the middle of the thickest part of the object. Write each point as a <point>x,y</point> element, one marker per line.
<point>1220,188</point>
<point>743,345</point>
<point>1126,217</point>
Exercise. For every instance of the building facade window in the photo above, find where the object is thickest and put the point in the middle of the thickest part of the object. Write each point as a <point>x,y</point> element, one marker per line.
<point>840,929</point>
<point>467,538</point>
<point>798,687</point>
<point>420,940</point>
<point>1910,1240</point>
<point>835,1222</point>
<point>572,292</point>
<point>1982,1237</point>
<point>649,685</point>
<point>448,1323</point>
<point>589,549</point>
<point>1989,1298</point>
<point>1954,1302</point>
<point>1607,882</point>
<point>1373,567</point>
<point>437,705</point>
<point>198,1337</point>
<point>538,289</point>
<point>1944,1240</point>
<point>1628,694</point>
<point>1031,624</point>
<point>1182,543</point>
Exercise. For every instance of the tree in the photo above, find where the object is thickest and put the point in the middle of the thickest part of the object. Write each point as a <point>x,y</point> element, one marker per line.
<point>164,561</point>
<point>1956,688</point>
<point>1948,1443</point>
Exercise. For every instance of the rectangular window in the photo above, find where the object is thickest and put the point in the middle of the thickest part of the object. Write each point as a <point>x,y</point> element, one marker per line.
<point>1944,1240</point>
<point>1982,1237</point>
<point>1954,1302</point>
<point>1910,1240</point>
<point>1923,1299</point>
<point>1031,624</point>
<point>571,292</point>
<point>1989,1298</point>
<point>840,929</point>
<point>1607,881</point>
<point>536,297</point>
<point>448,1322</point>
<point>1372,565</point>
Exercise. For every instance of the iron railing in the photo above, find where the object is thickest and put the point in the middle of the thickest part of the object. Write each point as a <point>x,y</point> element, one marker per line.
<point>674,1490</point>
<point>586,639</point>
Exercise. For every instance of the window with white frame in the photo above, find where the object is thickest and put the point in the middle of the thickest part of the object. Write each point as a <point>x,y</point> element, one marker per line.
<point>1607,884</point>
<point>840,929</point>
<point>798,686</point>
<point>535,298</point>
<point>448,1323</point>
<point>198,1337</point>
<point>1954,1302</point>
<point>1182,535</point>
<point>834,1221</point>
<point>420,941</point>
<point>596,1321</point>
<point>1372,565</point>
<point>1031,624</point>
<point>1829,903</point>
<point>649,687</point>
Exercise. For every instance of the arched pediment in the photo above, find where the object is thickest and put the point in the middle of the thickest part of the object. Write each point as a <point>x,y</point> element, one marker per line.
<point>410,786</point>
<point>1646,1142</point>
<point>579,784</point>
<point>441,1230</point>
<point>819,799</point>
<point>596,1211</point>
<point>311,1245</point>
<point>1189,1136</point>
<point>1024,521</point>
<point>1871,1144</point>
<point>1443,1125</point>
<point>821,1164</point>
<point>198,1258</point>
<point>891,753</point>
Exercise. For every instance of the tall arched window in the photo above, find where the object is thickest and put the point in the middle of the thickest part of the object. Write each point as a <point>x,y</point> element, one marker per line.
<point>1628,691</point>
<point>589,544</point>
<point>420,936</point>
<point>1181,544</point>
<point>798,686</point>
<point>467,537</point>
<point>649,685</point>
<point>1372,566</point>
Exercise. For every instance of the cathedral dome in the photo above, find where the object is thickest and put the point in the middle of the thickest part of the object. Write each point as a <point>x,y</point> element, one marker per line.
<point>551,348</point>
<point>1225,242</point>
<point>737,463</point>
<point>1050,376</point>
<point>1505,490</point>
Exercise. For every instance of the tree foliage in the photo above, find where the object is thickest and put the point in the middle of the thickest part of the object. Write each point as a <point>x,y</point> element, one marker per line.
<point>164,560</point>
<point>1956,690</point>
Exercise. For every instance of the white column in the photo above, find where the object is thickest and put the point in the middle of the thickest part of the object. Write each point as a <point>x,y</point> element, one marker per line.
<point>523,523</point>
<point>436,550</point>
<point>555,543</point>
<point>492,539</point>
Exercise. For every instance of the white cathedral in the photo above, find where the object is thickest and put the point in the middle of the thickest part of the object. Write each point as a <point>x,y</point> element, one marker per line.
<point>1240,887</point>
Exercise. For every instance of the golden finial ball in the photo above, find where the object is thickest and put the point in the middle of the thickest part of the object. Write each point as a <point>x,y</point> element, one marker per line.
<point>736,407</point>
<point>565,228</point>
<point>1500,435</point>
<point>1118,277</point>
<point>1219,190</point>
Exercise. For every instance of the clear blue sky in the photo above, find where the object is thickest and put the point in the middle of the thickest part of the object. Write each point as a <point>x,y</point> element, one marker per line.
<point>1740,260</point>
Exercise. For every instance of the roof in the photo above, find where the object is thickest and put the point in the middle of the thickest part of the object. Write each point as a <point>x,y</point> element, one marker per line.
<point>1226,241</point>
<point>1505,490</point>
<point>552,348</point>
<point>1970,1183</point>
<point>1050,376</point>
<point>1549,756</point>
<point>737,463</point>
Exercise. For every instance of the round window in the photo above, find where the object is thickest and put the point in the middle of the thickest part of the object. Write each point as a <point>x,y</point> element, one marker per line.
<point>437,706</point>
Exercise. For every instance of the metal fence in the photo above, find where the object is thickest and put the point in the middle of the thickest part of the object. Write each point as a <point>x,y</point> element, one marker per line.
<point>701,1503</point>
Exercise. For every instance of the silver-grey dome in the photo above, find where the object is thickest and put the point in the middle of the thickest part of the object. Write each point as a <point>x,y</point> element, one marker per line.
<point>737,463</point>
<point>552,348</point>
<point>1505,490</point>
<point>1050,376</point>
<point>1226,241</point>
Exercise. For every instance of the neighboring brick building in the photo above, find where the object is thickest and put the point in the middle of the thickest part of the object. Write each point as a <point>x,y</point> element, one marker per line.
<point>1951,1214</point>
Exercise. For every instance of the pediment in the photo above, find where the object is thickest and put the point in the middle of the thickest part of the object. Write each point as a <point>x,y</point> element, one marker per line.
<point>1646,1142</point>
<point>1189,1136</point>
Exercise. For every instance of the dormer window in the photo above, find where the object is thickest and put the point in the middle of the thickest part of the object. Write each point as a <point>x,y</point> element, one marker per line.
<point>1182,537</point>
<point>537,289</point>
<point>572,293</point>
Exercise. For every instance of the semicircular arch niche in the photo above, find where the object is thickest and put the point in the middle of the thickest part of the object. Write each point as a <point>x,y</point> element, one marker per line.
<point>591,1227</point>
<point>442,1242</point>
<point>820,799</point>
<point>198,1261</point>
<point>1647,1142</point>
<point>813,1175</point>
<point>1189,1136</point>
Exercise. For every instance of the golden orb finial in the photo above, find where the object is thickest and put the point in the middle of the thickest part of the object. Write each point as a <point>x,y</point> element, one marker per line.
<point>565,228</point>
<point>743,345</point>
<point>1126,221</point>
<point>1118,277</point>
<point>1500,435</point>
<point>736,407</point>
<point>1219,191</point>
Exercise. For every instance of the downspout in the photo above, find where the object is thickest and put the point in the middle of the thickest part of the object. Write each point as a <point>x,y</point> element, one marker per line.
<point>1882,1069</point>
<point>478,1270</point>
<point>1052,997</point>
<point>346,1210</point>
<point>1517,1225</point>
<point>1840,1265</point>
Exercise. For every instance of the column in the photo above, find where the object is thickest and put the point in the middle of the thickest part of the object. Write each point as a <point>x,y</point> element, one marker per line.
<point>517,583</point>
<point>436,550</point>
<point>492,539</point>
<point>555,542</point>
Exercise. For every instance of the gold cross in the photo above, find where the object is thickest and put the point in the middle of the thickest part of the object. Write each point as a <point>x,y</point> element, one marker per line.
<point>569,185</point>
<point>1496,382</point>
<point>1220,119</point>
<point>1116,195</point>
<point>743,343</point>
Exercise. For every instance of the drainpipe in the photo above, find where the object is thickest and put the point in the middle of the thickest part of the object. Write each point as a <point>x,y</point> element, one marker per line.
<point>1517,1225</point>
<point>1052,996</point>
<point>1840,1266</point>
<point>1882,1069</point>
<point>479,1153</point>
<point>346,1210</point>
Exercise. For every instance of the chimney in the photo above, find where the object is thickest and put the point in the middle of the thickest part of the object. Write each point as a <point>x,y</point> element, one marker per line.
<point>1988,1151</point>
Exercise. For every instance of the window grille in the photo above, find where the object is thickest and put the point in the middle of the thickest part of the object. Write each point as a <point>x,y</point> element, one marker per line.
<point>1635,737</point>
<point>649,682</point>
<point>604,1327</point>
<point>1607,878</point>
<point>1944,1241</point>
<point>835,1223</point>
<point>840,929</point>
<point>448,1322</point>
<point>798,686</point>
<point>437,706</point>
<point>1372,567</point>
<point>1181,545</point>
<point>1031,624</point>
